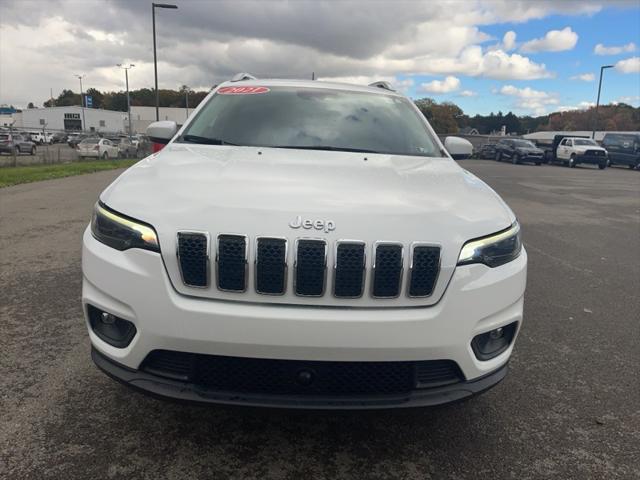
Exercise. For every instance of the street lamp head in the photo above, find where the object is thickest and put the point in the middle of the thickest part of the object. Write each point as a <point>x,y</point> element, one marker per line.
<point>607,66</point>
<point>164,5</point>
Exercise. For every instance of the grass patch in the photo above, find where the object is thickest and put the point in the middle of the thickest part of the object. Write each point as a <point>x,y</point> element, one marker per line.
<point>35,173</point>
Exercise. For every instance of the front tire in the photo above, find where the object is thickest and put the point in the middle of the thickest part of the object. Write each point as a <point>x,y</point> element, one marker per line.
<point>515,159</point>
<point>498,156</point>
<point>602,165</point>
<point>17,150</point>
<point>572,161</point>
<point>33,150</point>
<point>105,156</point>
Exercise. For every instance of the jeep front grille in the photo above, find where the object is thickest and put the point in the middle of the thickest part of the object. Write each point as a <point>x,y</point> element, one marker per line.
<point>271,266</point>
<point>231,263</point>
<point>193,257</point>
<point>272,260</point>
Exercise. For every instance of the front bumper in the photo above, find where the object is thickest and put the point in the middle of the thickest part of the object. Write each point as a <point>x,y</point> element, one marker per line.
<point>591,159</point>
<point>134,285</point>
<point>181,391</point>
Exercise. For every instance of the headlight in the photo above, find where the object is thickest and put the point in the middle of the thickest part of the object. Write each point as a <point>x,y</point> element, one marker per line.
<point>494,250</point>
<point>120,232</point>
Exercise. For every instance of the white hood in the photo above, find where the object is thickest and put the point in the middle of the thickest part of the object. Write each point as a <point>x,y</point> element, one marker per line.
<point>259,191</point>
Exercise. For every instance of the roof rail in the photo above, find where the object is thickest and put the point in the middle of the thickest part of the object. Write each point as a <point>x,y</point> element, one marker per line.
<point>382,84</point>
<point>242,76</point>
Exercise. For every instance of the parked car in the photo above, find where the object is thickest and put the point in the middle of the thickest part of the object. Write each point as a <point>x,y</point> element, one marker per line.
<point>16,143</point>
<point>219,270</point>
<point>41,138</point>
<point>623,148</point>
<point>518,151</point>
<point>573,151</point>
<point>73,139</point>
<point>126,149</point>
<point>59,137</point>
<point>98,148</point>
<point>487,150</point>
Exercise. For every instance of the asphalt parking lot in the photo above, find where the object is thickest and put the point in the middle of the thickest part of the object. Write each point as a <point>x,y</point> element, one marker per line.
<point>569,408</point>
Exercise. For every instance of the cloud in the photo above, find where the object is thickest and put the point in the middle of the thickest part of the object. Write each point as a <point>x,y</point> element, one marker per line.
<point>633,100</point>
<point>585,77</point>
<point>581,106</point>
<point>630,65</point>
<point>509,40</point>
<point>468,93</point>
<point>449,84</point>
<point>553,41</point>
<point>600,49</point>
<point>202,44</point>
<point>530,100</point>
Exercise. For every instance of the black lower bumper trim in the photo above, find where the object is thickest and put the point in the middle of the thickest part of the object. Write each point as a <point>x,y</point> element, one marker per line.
<point>177,390</point>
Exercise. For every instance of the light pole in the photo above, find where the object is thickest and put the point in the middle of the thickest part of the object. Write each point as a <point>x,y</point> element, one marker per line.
<point>595,117</point>
<point>80,77</point>
<point>126,77</point>
<point>155,57</point>
<point>186,99</point>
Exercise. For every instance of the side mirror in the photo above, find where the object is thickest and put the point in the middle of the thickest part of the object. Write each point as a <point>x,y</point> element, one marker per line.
<point>162,132</point>
<point>458,148</point>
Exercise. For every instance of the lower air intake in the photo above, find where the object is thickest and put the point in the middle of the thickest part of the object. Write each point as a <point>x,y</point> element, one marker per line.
<point>299,377</point>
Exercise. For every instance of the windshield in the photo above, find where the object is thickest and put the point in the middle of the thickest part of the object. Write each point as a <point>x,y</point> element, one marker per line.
<point>580,141</point>
<point>313,118</point>
<point>524,144</point>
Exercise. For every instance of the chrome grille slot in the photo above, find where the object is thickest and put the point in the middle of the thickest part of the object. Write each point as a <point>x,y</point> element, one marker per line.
<point>387,270</point>
<point>271,265</point>
<point>231,262</point>
<point>310,267</point>
<point>424,268</point>
<point>349,269</point>
<point>193,258</point>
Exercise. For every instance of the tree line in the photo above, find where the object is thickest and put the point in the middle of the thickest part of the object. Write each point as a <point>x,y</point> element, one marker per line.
<point>142,97</point>
<point>444,117</point>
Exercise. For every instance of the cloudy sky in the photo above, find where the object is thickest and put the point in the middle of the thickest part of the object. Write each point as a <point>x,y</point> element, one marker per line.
<point>532,57</point>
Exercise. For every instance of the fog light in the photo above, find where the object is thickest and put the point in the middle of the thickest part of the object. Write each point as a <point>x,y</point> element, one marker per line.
<point>491,344</point>
<point>114,330</point>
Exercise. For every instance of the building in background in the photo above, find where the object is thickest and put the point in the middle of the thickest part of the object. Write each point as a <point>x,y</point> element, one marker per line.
<point>142,117</point>
<point>70,119</point>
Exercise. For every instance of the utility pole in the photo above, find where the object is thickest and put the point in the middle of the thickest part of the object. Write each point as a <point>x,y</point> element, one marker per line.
<point>186,99</point>
<point>126,77</point>
<point>595,117</point>
<point>80,77</point>
<point>155,56</point>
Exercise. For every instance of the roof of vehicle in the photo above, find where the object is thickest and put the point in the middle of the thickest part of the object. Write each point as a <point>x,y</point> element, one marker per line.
<point>275,82</point>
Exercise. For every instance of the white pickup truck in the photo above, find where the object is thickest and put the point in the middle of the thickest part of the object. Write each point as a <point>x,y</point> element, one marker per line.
<point>575,150</point>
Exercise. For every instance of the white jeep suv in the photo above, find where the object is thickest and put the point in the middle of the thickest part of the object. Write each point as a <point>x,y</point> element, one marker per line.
<point>303,244</point>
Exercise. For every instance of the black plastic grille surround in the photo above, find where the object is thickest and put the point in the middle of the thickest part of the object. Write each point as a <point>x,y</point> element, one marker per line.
<point>424,270</point>
<point>232,263</point>
<point>387,271</point>
<point>349,270</point>
<point>311,262</point>
<point>299,377</point>
<point>192,253</point>
<point>271,266</point>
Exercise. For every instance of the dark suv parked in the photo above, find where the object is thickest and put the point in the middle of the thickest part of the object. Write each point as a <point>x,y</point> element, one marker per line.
<point>518,151</point>
<point>623,148</point>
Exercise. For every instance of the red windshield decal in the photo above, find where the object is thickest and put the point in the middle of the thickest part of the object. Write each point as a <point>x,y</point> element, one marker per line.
<point>242,90</point>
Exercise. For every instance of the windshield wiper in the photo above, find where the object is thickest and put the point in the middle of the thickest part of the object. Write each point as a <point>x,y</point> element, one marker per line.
<point>326,147</point>
<point>204,140</point>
